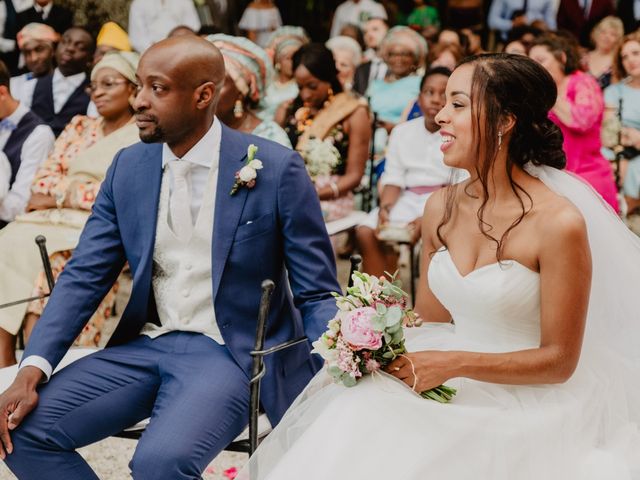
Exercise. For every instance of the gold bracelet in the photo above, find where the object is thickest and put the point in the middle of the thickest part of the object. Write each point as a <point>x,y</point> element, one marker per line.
<point>335,189</point>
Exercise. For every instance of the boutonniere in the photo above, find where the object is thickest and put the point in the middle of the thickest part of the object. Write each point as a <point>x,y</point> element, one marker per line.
<point>246,176</point>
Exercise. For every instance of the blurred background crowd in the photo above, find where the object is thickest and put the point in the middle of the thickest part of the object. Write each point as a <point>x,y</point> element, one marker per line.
<point>354,86</point>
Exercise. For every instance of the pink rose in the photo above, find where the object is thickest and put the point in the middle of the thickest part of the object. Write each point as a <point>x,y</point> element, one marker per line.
<point>357,330</point>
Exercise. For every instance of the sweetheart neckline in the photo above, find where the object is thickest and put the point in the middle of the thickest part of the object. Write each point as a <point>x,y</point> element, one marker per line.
<point>484,267</point>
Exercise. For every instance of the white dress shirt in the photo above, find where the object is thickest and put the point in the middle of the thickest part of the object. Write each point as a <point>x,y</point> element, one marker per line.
<point>203,156</point>
<point>62,88</point>
<point>22,87</point>
<point>356,13</point>
<point>35,151</point>
<point>44,11</point>
<point>151,20</point>
<point>5,176</point>
<point>414,158</point>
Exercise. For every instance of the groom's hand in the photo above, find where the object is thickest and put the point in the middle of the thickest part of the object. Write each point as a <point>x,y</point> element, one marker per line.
<point>16,402</point>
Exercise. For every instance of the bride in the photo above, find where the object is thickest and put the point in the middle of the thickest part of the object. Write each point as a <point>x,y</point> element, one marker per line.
<point>528,290</point>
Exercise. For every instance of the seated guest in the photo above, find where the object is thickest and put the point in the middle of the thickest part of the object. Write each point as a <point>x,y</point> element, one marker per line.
<point>151,20</point>
<point>61,95</point>
<point>259,20</point>
<point>347,55</point>
<point>404,52</point>
<point>281,46</point>
<point>505,15</point>
<point>322,111</point>
<point>248,68</point>
<point>111,38</point>
<point>62,195</point>
<point>578,111</point>
<point>25,141</point>
<point>374,68</point>
<point>414,169</point>
<point>37,42</point>
<point>445,55</point>
<point>579,16</point>
<point>46,11</point>
<point>605,37</point>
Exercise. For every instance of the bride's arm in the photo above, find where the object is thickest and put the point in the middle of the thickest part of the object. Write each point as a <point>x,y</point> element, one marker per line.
<point>565,281</point>
<point>427,306</point>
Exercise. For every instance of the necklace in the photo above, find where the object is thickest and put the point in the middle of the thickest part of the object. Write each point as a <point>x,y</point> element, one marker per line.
<point>304,116</point>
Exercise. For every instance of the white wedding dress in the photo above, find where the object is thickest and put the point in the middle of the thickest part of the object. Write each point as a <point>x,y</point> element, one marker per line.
<point>584,429</point>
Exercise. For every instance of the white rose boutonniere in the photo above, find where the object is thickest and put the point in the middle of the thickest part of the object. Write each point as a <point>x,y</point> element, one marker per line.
<point>247,175</point>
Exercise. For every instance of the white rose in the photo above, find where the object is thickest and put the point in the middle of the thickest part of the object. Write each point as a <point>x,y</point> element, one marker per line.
<point>255,164</point>
<point>247,174</point>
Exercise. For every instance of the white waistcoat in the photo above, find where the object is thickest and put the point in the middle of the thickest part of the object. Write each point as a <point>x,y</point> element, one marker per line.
<point>182,270</point>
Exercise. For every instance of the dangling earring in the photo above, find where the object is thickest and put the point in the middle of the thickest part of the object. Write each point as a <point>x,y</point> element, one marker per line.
<point>238,109</point>
<point>499,140</point>
<point>277,67</point>
<point>329,96</point>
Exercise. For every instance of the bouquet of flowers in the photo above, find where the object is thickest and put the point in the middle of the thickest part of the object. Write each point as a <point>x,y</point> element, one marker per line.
<point>367,332</point>
<point>320,157</point>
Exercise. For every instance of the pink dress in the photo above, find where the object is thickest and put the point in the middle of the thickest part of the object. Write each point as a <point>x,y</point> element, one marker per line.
<point>582,137</point>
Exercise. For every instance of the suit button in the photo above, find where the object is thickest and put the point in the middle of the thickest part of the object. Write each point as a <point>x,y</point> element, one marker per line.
<point>188,266</point>
<point>185,293</point>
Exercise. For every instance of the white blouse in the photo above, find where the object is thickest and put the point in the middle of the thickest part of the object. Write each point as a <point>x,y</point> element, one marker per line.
<point>261,20</point>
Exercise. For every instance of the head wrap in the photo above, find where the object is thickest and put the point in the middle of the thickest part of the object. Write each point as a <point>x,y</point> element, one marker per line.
<point>246,63</point>
<point>125,63</point>
<point>112,35</point>
<point>342,42</point>
<point>406,37</point>
<point>36,31</point>
<point>284,37</point>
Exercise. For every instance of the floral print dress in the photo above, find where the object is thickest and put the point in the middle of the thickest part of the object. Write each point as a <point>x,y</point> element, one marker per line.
<point>81,133</point>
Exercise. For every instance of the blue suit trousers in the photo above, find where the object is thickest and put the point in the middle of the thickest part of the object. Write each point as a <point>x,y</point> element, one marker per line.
<point>190,386</point>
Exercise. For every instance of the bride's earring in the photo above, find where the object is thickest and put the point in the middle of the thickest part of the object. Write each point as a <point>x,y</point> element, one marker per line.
<point>499,140</point>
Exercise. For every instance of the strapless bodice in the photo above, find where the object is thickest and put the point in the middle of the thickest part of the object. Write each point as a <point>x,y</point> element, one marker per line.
<point>496,306</point>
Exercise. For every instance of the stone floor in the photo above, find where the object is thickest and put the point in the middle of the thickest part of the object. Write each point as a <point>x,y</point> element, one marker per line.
<point>110,457</point>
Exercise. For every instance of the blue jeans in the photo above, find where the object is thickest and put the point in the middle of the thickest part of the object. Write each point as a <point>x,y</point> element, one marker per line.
<point>190,386</point>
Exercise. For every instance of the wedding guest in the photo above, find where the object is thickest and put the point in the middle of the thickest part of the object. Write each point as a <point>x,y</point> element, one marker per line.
<point>414,169</point>
<point>523,37</point>
<point>375,29</point>
<point>111,38</point>
<point>281,46</point>
<point>625,94</point>
<point>182,348</point>
<point>404,51</point>
<point>579,16</point>
<point>447,36</point>
<point>423,15</point>
<point>578,112</point>
<point>259,20</point>
<point>62,195</point>
<point>355,12</point>
<point>605,37</point>
<point>25,141</point>
<point>348,56</point>
<point>37,42</point>
<point>151,20</point>
<point>322,111</point>
<point>247,72</point>
<point>354,32</point>
<point>445,55</point>
<point>46,11</point>
<point>505,15</point>
<point>57,97</point>
<point>473,40</point>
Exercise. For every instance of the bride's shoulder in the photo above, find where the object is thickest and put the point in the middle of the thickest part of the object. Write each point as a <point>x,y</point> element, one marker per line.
<point>557,220</point>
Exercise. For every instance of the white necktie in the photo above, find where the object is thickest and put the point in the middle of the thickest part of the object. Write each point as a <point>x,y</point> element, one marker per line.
<point>180,200</point>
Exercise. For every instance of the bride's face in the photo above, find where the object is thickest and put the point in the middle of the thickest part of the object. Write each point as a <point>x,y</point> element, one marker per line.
<point>455,120</point>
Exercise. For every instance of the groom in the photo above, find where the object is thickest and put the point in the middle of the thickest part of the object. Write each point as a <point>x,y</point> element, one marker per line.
<point>181,351</point>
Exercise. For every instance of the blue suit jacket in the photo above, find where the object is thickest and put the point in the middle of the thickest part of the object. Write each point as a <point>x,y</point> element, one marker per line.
<point>257,233</point>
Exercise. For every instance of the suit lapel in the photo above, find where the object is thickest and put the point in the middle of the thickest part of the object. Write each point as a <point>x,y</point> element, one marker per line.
<point>228,208</point>
<point>148,180</point>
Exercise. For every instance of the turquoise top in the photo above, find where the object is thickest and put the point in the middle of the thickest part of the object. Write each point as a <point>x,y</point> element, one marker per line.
<point>390,99</point>
<point>630,102</point>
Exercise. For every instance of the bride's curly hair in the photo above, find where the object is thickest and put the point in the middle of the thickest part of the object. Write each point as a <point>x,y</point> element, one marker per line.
<point>505,84</point>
